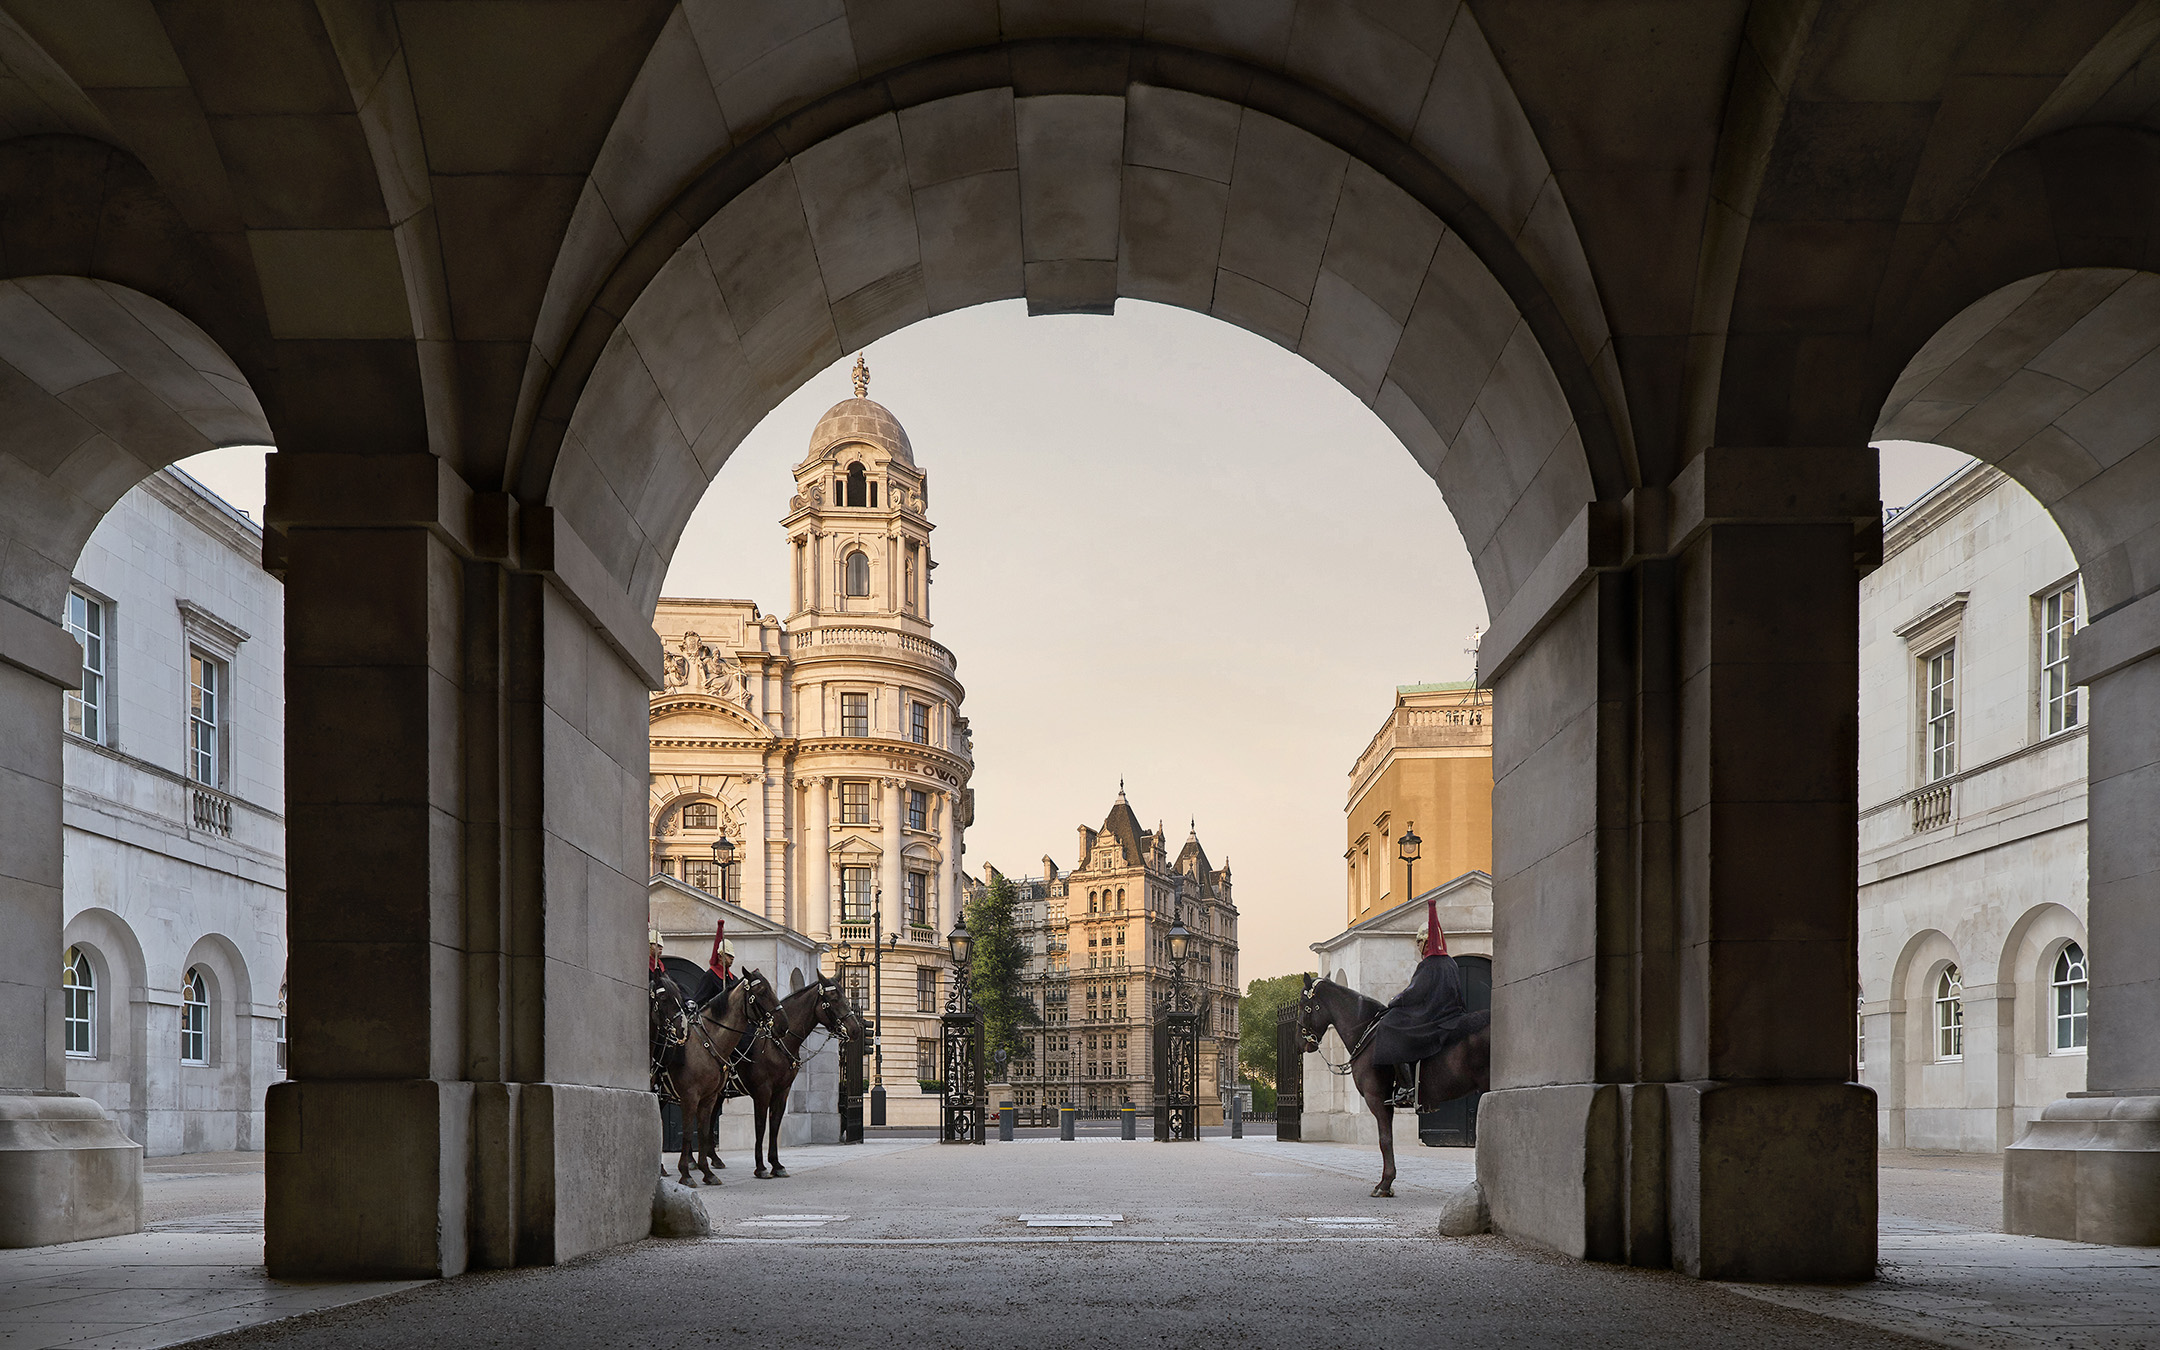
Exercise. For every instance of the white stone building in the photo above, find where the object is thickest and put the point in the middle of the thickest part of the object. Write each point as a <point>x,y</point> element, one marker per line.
<point>174,961</point>
<point>1973,958</point>
<point>1376,956</point>
<point>829,748</point>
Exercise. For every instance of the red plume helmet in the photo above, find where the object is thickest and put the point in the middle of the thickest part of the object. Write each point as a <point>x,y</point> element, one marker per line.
<point>712,963</point>
<point>1435,939</point>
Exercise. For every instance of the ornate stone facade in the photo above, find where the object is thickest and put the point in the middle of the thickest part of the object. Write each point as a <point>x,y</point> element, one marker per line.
<point>1099,965</point>
<point>1974,953</point>
<point>828,748</point>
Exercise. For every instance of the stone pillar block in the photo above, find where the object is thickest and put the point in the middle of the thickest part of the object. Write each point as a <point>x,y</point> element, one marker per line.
<point>586,1176</point>
<point>1773,1181</point>
<point>2088,1170</point>
<point>1548,1159</point>
<point>66,1171</point>
<point>367,1179</point>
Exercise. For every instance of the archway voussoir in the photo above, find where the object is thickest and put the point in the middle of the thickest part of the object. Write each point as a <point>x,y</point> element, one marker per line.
<point>760,248</point>
<point>1171,237</point>
<point>1258,307</point>
<point>959,136</point>
<point>884,306</point>
<point>1071,286</point>
<point>1180,131</point>
<point>1354,58</point>
<point>1349,336</point>
<point>1071,151</point>
<point>969,232</point>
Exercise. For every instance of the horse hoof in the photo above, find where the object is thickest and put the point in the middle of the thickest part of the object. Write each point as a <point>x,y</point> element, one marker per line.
<point>779,1171</point>
<point>1384,1192</point>
<point>761,1174</point>
<point>720,1163</point>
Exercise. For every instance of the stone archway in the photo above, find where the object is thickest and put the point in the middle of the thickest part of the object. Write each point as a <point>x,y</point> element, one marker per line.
<point>2055,379</point>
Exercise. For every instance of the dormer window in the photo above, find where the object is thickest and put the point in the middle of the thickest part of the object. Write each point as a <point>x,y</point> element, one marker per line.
<point>858,573</point>
<point>857,486</point>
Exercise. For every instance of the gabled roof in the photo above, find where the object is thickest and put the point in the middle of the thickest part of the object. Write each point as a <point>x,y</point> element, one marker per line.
<point>1122,825</point>
<point>1204,869</point>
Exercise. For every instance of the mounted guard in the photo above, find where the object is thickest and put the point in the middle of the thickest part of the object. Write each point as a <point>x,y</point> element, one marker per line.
<point>1425,1018</point>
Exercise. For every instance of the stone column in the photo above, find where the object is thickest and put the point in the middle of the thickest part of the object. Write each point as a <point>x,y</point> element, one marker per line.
<point>1675,893</point>
<point>753,896</point>
<point>467,767</point>
<point>2088,1167</point>
<point>66,1171</point>
<point>890,877</point>
<point>817,860</point>
<point>948,897</point>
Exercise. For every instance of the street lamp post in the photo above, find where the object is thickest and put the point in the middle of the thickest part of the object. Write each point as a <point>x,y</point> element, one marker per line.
<point>879,945</point>
<point>1177,1051</point>
<point>723,856</point>
<point>963,1115</point>
<point>1408,846</point>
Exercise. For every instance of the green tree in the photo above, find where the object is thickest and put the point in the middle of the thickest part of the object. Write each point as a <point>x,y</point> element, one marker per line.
<point>997,969</point>
<point>1256,1025</point>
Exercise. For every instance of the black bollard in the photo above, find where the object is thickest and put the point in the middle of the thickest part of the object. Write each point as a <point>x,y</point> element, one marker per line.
<point>1065,1122</point>
<point>1128,1122</point>
<point>1006,1113</point>
<point>877,1105</point>
<point>1237,1115</point>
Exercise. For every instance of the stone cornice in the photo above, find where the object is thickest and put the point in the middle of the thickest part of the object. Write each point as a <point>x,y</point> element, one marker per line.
<point>207,511</point>
<point>1944,500</point>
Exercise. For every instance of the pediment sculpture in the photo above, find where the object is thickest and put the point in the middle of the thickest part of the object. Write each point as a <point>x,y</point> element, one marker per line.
<point>695,666</point>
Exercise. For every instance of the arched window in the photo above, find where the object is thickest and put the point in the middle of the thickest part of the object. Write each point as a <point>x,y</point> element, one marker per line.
<point>1950,1015</point>
<point>701,816</point>
<point>1121,899</point>
<point>2071,988</point>
<point>78,1002</point>
<point>195,1018</point>
<point>856,490</point>
<point>858,573</point>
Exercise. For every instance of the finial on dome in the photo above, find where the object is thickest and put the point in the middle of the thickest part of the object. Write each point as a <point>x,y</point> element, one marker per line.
<point>862,377</point>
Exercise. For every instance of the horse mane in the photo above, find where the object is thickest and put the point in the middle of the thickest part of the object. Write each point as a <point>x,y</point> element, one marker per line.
<point>1366,1005</point>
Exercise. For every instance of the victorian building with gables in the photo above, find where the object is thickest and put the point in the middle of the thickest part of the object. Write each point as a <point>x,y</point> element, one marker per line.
<point>1099,966</point>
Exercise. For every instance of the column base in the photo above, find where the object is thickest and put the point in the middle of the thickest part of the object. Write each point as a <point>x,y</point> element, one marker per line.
<point>66,1171</point>
<point>1760,1182</point>
<point>418,1178</point>
<point>2088,1170</point>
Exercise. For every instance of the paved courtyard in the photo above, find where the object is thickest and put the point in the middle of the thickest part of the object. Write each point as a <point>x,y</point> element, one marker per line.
<point>1095,1242</point>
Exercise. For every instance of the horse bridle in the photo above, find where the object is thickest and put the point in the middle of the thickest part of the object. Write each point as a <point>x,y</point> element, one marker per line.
<point>1311,1043</point>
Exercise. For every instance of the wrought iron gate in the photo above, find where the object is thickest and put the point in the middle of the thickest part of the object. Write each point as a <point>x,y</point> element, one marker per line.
<point>852,1083</point>
<point>1289,1075</point>
<point>1177,1077</point>
<point>965,1109</point>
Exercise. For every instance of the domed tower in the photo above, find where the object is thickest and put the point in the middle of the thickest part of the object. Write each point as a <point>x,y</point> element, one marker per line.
<point>858,522</point>
<point>878,754</point>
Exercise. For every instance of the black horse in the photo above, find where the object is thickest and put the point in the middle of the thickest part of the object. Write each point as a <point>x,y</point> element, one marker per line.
<point>1462,1064</point>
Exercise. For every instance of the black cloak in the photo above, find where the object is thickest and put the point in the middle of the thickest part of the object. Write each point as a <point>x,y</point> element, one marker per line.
<point>1425,1018</point>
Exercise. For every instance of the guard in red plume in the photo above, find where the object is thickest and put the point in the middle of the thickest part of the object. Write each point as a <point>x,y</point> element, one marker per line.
<point>1425,1017</point>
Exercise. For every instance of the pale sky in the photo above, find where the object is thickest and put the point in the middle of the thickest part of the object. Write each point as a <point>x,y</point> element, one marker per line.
<point>1169,552</point>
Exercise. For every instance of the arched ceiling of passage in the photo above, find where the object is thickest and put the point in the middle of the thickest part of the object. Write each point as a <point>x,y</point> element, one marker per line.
<point>2055,379</point>
<point>99,386</point>
<point>1170,196</point>
<point>418,224</point>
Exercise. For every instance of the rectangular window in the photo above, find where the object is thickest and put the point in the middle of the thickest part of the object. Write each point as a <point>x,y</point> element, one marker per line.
<point>205,689</point>
<point>918,809</point>
<point>919,723</point>
<point>1942,714</point>
<point>926,1053</point>
<point>918,899</point>
<point>2059,699</point>
<point>702,873</point>
<point>86,706</point>
<point>854,714</point>
<point>926,989</point>
<point>854,803</point>
<point>856,898</point>
<point>856,980</point>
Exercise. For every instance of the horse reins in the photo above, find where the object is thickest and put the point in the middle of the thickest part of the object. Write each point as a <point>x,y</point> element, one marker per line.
<point>1348,1066</point>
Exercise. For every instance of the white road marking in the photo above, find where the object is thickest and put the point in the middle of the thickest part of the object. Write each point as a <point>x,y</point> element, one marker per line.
<point>1348,1221</point>
<point>1282,1174</point>
<point>1071,1220</point>
<point>790,1220</point>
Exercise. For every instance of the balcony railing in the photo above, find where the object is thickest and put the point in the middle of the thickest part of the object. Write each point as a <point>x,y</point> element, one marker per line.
<point>211,812</point>
<point>850,636</point>
<point>858,932</point>
<point>1932,808</point>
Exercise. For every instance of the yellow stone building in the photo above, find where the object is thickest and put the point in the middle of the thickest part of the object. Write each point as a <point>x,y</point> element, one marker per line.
<point>1429,765</point>
<point>828,748</point>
